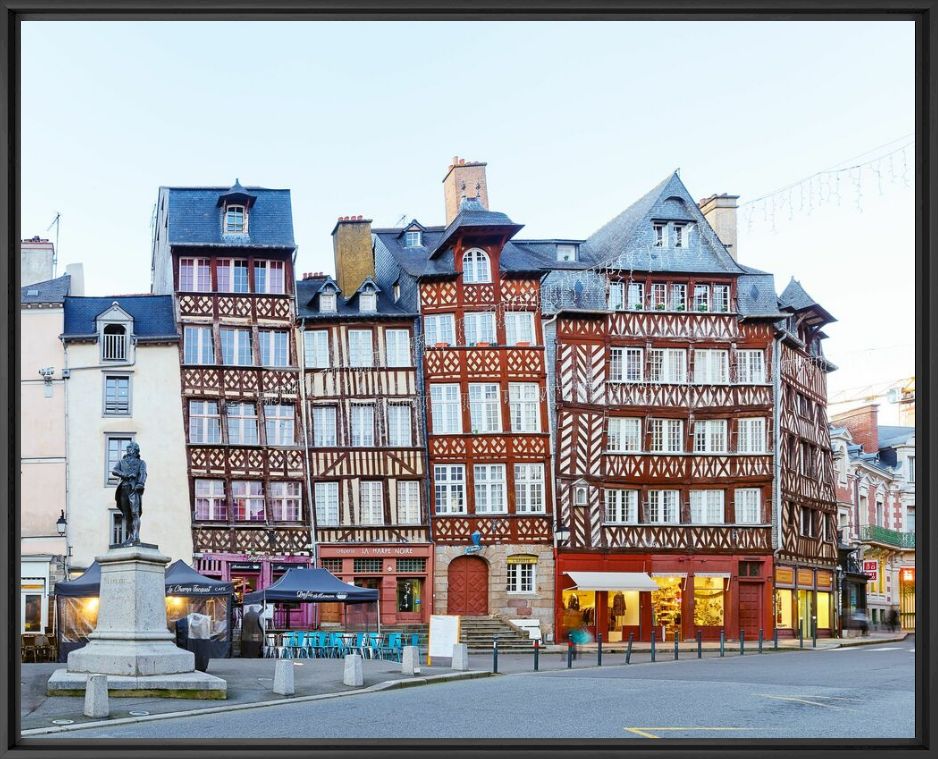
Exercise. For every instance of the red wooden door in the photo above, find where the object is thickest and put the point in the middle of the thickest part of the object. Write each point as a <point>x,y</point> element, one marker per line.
<point>750,608</point>
<point>468,586</point>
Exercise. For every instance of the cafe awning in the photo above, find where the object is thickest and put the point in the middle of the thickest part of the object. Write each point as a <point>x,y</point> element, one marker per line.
<point>311,586</point>
<point>612,581</point>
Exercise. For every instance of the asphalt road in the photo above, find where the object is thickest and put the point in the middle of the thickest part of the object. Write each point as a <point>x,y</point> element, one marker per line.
<point>863,692</point>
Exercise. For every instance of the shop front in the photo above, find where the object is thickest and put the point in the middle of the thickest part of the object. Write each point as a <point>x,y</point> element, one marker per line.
<point>804,599</point>
<point>907,598</point>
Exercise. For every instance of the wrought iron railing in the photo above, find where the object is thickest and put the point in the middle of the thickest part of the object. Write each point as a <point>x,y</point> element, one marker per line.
<point>876,534</point>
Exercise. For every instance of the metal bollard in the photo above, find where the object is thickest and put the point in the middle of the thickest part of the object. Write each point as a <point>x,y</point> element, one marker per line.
<point>569,654</point>
<point>537,653</point>
<point>800,636</point>
<point>761,637</point>
<point>652,645</point>
<point>628,651</point>
<point>775,638</point>
<point>675,645</point>
<point>813,634</point>
<point>495,654</point>
<point>599,649</point>
<point>699,645</point>
<point>742,642</point>
<point>722,642</point>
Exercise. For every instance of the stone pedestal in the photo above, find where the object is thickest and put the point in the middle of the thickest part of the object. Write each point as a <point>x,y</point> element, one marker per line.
<point>96,704</point>
<point>353,674</point>
<point>131,643</point>
<point>410,660</point>
<point>283,677</point>
<point>460,656</point>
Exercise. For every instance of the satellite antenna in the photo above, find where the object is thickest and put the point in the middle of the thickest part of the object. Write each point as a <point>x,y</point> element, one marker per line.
<point>401,219</point>
<point>55,253</point>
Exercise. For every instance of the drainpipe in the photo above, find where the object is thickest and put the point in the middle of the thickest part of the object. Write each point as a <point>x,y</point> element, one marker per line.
<point>776,420</point>
<point>314,546</point>
<point>551,417</point>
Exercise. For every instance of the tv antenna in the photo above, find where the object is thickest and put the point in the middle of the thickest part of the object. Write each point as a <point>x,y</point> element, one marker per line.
<point>55,253</point>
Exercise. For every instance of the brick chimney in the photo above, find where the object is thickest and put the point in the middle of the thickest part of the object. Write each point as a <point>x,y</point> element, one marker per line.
<point>720,212</point>
<point>354,256</point>
<point>464,179</point>
<point>863,423</point>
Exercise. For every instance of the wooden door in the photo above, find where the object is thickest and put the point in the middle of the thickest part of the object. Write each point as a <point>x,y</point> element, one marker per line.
<point>750,609</point>
<point>468,586</point>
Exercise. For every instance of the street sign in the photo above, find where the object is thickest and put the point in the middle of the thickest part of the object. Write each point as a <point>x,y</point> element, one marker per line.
<point>871,570</point>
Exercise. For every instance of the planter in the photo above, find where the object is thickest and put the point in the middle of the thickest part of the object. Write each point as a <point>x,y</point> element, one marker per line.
<point>482,345</point>
<point>441,345</point>
<point>523,344</point>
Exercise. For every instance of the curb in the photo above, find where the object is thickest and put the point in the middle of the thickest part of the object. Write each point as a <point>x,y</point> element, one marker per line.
<point>376,688</point>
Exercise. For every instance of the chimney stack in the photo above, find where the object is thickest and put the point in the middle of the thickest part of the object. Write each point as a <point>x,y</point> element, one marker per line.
<point>863,423</point>
<point>354,255</point>
<point>37,258</point>
<point>720,213</point>
<point>77,284</point>
<point>464,179</point>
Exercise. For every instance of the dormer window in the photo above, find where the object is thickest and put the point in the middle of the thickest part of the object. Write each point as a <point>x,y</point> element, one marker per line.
<point>566,252</point>
<point>681,233</point>
<point>396,291</point>
<point>114,347</point>
<point>413,239</point>
<point>368,302</point>
<point>475,267</point>
<point>327,302</point>
<point>236,220</point>
<point>661,234</point>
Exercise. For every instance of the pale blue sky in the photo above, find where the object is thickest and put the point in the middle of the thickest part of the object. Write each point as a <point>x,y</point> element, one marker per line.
<point>575,120</point>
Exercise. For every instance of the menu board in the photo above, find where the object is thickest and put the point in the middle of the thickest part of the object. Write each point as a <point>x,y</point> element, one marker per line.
<point>444,634</point>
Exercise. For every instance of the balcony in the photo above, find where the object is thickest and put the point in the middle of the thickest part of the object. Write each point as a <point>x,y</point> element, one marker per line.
<point>872,533</point>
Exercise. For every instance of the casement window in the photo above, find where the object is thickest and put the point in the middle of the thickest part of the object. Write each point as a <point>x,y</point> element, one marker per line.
<point>616,296</point>
<point>408,502</point>
<point>479,328</point>
<point>324,426</point>
<point>566,252</point>
<point>661,235</point>
<point>521,576</point>
<point>750,435</point>
<point>750,367</point>
<point>195,275</point>
<point>621,506</point>
<point>711,367</point>
<point>204,422</point>
<point>316,349</point>
<point>807,522</point>
<point>911,468</point>
<point>439,328</point>
<point>327,302</point>
<point>285,503</point>
<point>444,407</point>
<point>721,298</point>
<point>198,346</point>
<point>279,424</point>
<point>242,424</point>
<point>667,365</point>
<point>117,395</point>
<point>399,425</point>
<point>210,503</point>
<point>449,488</point>
<point>624,435</point>
<point>626,364</point>
<point>475,267</point>
<point>236,220</point>
<point>678,299</point>
<point>360,348</point>
<point>236,347</point>
<point>363,424</point>
<point>710,436</point>
<point>232,275</point>
<point>524,405</point>
<point>397,347</point>
<point>326,495</point>
<point>490,489</point>
<point>706,506</point>
<point>663,507</point>
<point>368,302</point>
<point>529,488</point>
<point>701,297</point>
<point>114,343</point>
<point>748,506</point>
<point>114,446</point>
<point>636,295</point>
<point>667,435</point>
<point>275,347</point>
<point>519,327</point>
<point>659,296</point>
<point>268,277</point>
<point>412,239</point>
<point>485,408</point>
<point>248,499</point>
<point>681,235</point>
<point>371,500</point>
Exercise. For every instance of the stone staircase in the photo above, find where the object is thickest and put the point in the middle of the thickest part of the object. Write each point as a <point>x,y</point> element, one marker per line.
<point>478,633</point>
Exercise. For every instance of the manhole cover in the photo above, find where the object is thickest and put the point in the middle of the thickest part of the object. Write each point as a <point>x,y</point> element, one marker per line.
<point>138,714</point>
<point>63,721</point>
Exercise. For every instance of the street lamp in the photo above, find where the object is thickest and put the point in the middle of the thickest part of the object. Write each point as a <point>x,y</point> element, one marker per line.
<point>61,523</point>
<point>561,534</point>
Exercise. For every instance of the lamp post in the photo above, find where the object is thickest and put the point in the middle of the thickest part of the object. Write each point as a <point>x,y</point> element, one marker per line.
<point>561,535</point>
<point>61,527</point>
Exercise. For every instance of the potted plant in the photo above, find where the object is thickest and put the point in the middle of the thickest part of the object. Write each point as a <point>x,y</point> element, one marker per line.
<point>702,307</point>
<point>637,306</point>
<point>659,307</point>
<point>680,308</point>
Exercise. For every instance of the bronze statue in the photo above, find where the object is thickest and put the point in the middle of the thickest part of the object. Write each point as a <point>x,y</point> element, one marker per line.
<point>132,471</point>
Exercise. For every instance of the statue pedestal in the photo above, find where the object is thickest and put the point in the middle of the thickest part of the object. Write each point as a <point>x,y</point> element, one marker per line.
<point>131,643</point>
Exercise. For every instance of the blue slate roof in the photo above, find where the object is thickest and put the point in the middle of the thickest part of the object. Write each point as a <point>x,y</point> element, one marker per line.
<point>153,315</point>
<point>48,291</point>
<point>796,298</point>
<point>307,304</point>
<point>195,217</point>
<point>890,436</point>
<point>472,214</point>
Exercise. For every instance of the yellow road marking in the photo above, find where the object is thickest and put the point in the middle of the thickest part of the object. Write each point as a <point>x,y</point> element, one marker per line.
<point>645,732</point>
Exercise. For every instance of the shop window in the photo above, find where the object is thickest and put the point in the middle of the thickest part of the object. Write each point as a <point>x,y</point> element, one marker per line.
<point>783,608</point>
<point>332,565</point>
<point>823,610</point>
<point>622,611</point>
<point>414,566</point>
<point>579,613</point>
<point>409,592</point>
<point>708,601</point>
<point>367,565</point>
<point>666,606</point>
<point>32,612</point>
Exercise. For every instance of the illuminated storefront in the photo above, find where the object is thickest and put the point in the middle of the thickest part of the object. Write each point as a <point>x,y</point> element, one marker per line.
<point>907,598</point>
<point>804,597</point>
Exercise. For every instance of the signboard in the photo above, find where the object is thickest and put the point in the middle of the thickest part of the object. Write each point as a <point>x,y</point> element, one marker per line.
<point>871,570</point>
<point>444,634</point>
<point>245,566</point>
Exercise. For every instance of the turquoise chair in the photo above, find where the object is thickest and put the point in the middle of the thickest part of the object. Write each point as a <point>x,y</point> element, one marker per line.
<point>374,645</point>
<point>393,646</point>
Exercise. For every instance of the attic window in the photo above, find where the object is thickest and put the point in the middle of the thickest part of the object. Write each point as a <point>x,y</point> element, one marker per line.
<point>661,234</point>
<point>396,291</point>
<point>475,263</point>
<point>566,252</point>
<point>32,292</point>
<point>114,346</point>
<point>412,239</point>
<point>327,302</point>
<point>681,235</point>
<point>368,302</point>
<point>236,220</point>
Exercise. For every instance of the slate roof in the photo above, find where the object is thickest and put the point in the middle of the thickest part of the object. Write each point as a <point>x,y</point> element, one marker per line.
<point>195,218</point>
<point>153,315</point>
<point>472,214</point>
<point>307,304</point>
<point>796,298</point>
<point>46,292</point>
<point>890,436</point>
<point>755,295</point>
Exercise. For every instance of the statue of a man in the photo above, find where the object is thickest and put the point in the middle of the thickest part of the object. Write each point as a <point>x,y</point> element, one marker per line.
<point>132,471</point>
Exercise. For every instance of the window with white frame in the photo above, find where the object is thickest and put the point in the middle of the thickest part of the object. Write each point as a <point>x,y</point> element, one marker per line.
<point>114,343</point>
<point>636,295</point>
<point>521,576</point>
<point>327,503</point>
<point>616,296</point>
<point>661,235</point>
<point>397,347</point>
<point>195,275</point>
<point>721,298</point>
<point>412,238</point>
<point>279,424</point>
<point>490,489</point>
<point>324,426</point>
<point>711,367</point>
<point>449,488</point>
<point>529,488</point>
<point>236,220</point>
<point>475,267</point>
<point>624,435</point>
<point>701,297</point>
<point>706,506</point>
<point>327,301</point>
<point>911,468</point>
<point>580,495</point>
<point>114,446</point>
<point>710,436</point>
<point>566,252</point>
<point>242,423</point>
<point>663,507</point>
<point>285,501</point>
<point>363,424</point>
<point>750,367</point>
<point>621,506</point>
<point>519,327</point>
<point>485,408</point>
<point>408,502</point>
<point>232,275</point>
<point>667,365</point>
<point>316,349</point>
<point>681,235</point>
<point>117,395</point>
<point>678,299</point>
<point>236,347</point>
<point>198,346</point>
<point>444,407</point>
<point>368,301</point>
<point>750,435</point>
<point>524,405</point>
<point>667,435</point>
<point>204,422</point>
<point>360,348</point>
<point>625,364</point>
<point>210,503</point>
<point>439,328</point>
<point>399,425</point>
<point>275,347</point>
<point>371,499</point>
<point>479,328</point>
<point>268,277</point>
<point>396,291</point>
<point>747,503</point>
<point>659,296</point>
<point>248,499</point>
